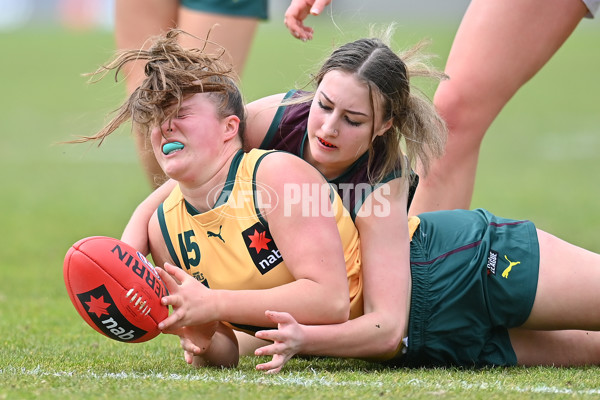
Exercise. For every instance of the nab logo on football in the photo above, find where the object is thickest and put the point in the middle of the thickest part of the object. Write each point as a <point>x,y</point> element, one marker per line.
<point>262,248</point>
<point>104,313</point>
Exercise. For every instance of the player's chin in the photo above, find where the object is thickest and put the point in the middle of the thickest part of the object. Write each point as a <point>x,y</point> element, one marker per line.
<point>174,170</point>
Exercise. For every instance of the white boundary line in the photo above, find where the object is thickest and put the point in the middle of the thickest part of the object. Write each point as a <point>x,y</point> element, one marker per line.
<point>290,380</point>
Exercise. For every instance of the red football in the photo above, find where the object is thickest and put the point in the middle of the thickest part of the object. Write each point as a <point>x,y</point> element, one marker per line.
<point>115,289</point>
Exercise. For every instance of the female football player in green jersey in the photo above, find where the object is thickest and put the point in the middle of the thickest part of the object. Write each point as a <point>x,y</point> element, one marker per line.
<point>447,288</point>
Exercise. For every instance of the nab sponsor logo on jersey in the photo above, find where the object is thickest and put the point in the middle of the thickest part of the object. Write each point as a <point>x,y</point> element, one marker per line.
<point>199,276</point>
<point>104,313</point>
<point>261,248</point>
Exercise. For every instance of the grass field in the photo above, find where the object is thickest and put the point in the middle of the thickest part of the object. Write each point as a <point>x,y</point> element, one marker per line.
<point>540,161</point>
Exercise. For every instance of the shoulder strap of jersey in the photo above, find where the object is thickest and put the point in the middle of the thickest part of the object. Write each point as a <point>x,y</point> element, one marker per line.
<point>276,121</point>
<point>166,237</point>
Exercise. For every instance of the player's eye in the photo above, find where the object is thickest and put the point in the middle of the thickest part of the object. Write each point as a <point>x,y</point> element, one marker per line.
<point>323,106</point>
<point>352,122</point>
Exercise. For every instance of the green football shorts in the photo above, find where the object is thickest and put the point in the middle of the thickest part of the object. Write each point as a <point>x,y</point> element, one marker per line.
<point>474,276</point>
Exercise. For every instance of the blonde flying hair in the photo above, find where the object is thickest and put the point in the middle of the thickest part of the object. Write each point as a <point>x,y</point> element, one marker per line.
<point>172,74</point>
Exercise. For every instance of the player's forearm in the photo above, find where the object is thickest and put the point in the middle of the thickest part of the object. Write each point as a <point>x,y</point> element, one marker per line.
<point>136,230</point>
<point>365,337</point>
<point>308,301</point>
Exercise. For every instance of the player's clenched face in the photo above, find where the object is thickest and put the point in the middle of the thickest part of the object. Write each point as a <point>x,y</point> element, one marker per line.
<point>340,123</point>
<point>188,146</point>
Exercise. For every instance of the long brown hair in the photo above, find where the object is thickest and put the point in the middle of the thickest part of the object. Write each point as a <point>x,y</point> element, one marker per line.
<point>416,125</point>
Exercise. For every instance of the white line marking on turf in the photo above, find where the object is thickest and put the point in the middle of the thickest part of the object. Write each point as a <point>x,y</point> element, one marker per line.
<point>290,379</point>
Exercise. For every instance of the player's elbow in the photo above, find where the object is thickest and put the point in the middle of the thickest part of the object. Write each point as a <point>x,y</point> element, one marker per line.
<point>391,341</point>
<point>338,310</point>
<point>389,337</point>
<point>342,310</point>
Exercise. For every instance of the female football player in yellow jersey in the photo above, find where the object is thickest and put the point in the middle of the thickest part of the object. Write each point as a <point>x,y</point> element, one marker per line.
<point>477,289</point>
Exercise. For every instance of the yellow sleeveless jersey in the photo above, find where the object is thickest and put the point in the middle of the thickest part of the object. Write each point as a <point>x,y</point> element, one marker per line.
<point>230,246</point>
